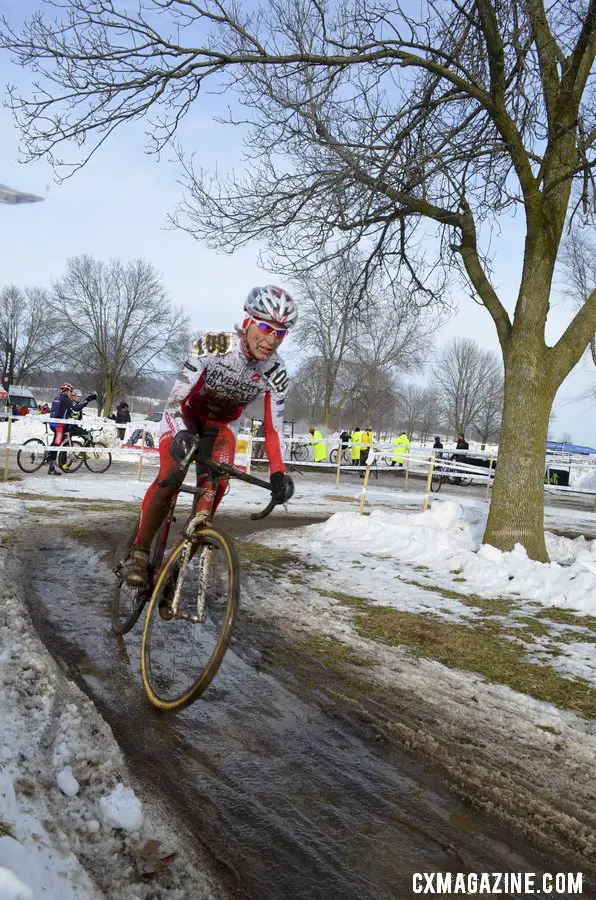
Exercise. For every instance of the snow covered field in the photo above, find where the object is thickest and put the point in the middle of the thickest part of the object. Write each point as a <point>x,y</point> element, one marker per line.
<point>64,790</point>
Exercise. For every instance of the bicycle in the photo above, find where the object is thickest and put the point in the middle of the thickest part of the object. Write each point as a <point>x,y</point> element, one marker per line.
<point>442,476</point>
<point>346,457</point>
<point>37,454</point>
<point>192,599</point>
<point>296,452</point>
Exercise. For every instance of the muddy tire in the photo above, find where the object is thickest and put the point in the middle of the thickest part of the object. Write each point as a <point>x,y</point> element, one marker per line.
<point>182,649</point>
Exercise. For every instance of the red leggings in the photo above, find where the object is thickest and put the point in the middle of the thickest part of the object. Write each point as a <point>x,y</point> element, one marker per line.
<point>157,499</point>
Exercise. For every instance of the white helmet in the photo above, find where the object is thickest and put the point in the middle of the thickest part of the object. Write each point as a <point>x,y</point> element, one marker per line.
<point>271,304</point>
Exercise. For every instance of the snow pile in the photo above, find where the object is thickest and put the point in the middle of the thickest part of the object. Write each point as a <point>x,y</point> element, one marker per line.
<point>78,829</point>
<point>446,539</point>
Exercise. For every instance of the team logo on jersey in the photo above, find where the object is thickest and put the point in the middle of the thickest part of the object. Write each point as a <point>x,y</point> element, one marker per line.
<point>212,344</point>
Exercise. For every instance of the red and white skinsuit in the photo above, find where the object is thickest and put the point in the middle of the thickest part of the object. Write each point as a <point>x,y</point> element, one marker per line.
<point>213,388</point>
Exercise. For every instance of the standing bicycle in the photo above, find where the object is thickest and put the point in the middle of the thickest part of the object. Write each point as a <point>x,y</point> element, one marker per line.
<point>62,406</point>
<point>193,599</point>
<point>74,452</point>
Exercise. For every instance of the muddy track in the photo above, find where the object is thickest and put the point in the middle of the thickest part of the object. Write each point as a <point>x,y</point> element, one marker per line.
<point>298,782</point>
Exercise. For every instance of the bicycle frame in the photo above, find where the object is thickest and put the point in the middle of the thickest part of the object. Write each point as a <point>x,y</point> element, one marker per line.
<point>199,520</point>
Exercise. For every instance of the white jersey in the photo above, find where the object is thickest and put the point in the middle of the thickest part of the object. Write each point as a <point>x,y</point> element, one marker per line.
<point>218,381</point>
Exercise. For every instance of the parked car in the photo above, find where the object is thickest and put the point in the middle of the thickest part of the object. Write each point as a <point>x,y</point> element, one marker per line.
<point>155,416</point>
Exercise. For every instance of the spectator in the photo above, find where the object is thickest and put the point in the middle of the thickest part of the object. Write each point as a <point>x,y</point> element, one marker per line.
<point>319,445</point>
<point>61,406</point>
<point>401,444</point>
<point>122,418</point>
<point>77,416</point>
<point>356,448</point>
<point>438,446</point>
<point>458,458</point>
<point>367,441</point>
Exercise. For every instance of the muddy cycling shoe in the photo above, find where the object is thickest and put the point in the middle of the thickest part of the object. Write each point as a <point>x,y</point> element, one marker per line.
<point>54,472</point>
<point>134,568</point>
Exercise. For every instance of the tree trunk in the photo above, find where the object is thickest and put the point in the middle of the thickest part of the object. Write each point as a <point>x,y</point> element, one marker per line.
<point>108,396</point>
<point>516,513</point>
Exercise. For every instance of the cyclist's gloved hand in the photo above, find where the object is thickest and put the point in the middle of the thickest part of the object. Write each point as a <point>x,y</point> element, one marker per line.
<point>282,487</point>
<point>181,444</point>
<point>90,398</point>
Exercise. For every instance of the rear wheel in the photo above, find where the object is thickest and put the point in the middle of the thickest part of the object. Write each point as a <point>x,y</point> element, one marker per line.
<point>128,601</point>
<point>97,460</point>
<point>300,452</point>
<point>33,458</point>
<point>182,650</point>
<point>333,456</point>
<point>436,482</point>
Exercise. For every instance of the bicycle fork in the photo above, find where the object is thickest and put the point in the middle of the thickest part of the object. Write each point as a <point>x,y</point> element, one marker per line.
<point>204,561</point>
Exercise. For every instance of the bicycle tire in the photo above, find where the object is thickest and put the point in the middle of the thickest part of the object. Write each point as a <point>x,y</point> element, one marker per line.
<point>436,482</point>
<point>333,456</point>
<point>124,616</point>
<point>71,462</point>
<point>300,452</point>
<point>465,482</point>
<point>30,461</point>
<point>162,660</point>
<point>97,462</point>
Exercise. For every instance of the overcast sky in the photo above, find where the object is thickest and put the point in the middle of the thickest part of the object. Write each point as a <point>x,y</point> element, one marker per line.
<point>117,207</point>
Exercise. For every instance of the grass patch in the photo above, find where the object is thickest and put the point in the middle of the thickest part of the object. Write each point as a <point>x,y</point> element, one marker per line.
<point>498,607</point>
<point>480,649</point>
<point>567,617</point>
<point>6,830</point>
<point>346,599</point>
<point>79,532</point>
<point>44,510</point>
<point>261,555</point>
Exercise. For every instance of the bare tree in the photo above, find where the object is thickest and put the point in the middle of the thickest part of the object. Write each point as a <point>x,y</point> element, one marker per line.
<point>463,374</point>
<point>28,323</point>
<point>487,421</point>
<point>357,332</point>
<point>578,263</point>
<point>365,121</point>
<point>419,411</point>
<point>120,323</point>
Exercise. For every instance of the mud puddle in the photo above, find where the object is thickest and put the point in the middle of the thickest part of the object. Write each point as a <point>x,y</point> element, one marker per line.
<point>292,800</point>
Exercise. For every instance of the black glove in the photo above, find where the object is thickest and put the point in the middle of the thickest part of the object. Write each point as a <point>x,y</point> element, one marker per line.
<point>181,444</point>
<point>90,398</point>
<point>282,487</point>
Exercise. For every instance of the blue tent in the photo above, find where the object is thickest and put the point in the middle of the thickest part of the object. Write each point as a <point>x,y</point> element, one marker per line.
<point>569,448</point>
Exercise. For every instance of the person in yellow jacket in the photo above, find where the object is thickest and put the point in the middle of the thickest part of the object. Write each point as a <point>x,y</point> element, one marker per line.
<point>367,441</point>
<point>400,448</point>
<point>319,445</point>
<point>355,447</point>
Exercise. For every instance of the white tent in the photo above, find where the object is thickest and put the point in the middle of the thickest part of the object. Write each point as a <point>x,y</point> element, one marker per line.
<point>10,195</point>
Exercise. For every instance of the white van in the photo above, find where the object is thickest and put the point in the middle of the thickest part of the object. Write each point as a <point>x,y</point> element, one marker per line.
<point>20,397</point>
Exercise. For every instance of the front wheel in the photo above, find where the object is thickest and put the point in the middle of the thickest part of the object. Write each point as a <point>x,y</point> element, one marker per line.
<point>71,462</point>
<point>98,460</point>
<point>190,619</point>
<point>436,482</point>
<point>33,458</point>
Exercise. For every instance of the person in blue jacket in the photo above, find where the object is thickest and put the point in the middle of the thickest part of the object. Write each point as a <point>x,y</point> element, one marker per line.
<point>61,406</point>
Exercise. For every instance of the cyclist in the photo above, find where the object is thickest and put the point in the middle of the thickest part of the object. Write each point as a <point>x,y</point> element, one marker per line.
<point>224,372</point>
<point>61,407</point>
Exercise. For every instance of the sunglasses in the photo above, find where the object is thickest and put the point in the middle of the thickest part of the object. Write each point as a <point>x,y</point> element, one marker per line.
<point>265,328</point>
